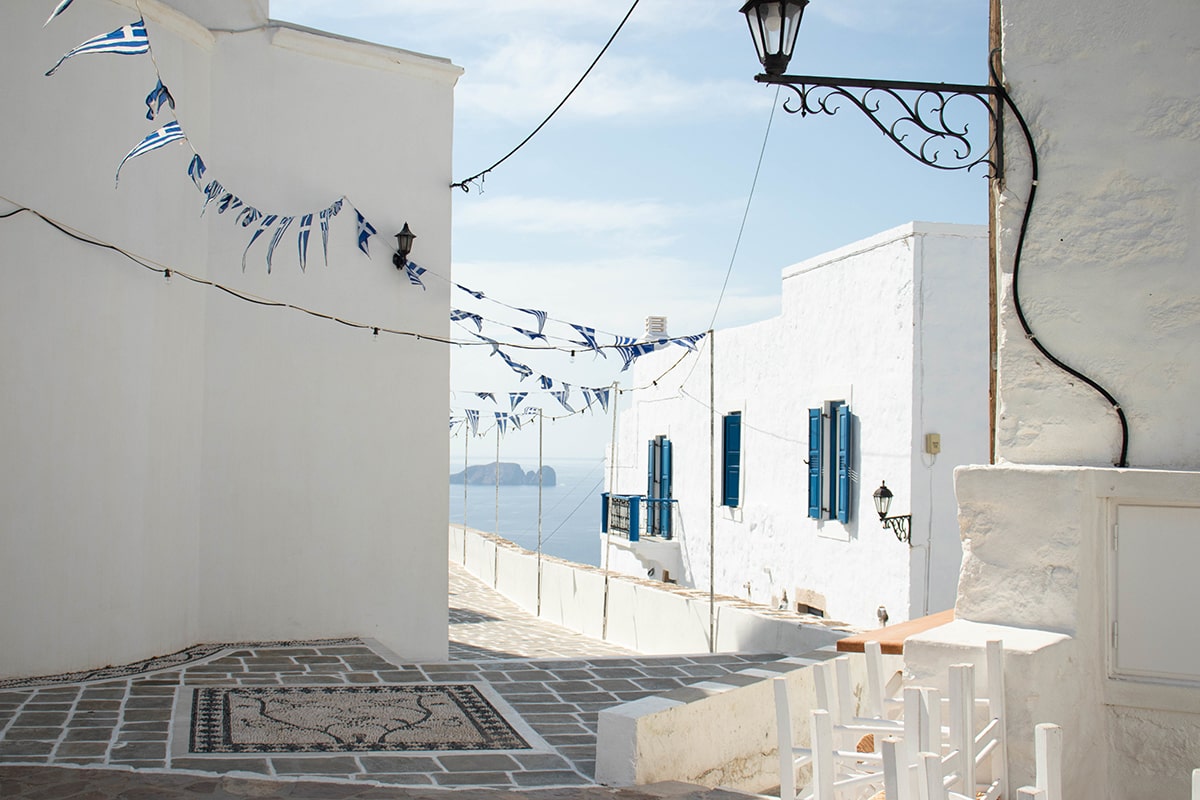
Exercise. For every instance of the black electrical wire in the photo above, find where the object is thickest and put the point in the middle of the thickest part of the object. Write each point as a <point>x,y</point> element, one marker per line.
<point>465,184</point>
<point>1123,461</point>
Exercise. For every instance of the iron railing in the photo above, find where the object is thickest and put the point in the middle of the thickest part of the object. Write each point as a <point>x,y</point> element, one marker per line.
<point>634,516</point>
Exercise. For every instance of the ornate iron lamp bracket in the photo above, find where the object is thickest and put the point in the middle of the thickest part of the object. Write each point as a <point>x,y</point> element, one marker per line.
<point>926,120</point>
<point>901,526</point>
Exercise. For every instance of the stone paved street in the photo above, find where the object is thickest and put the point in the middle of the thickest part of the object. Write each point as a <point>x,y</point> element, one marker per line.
<point>550,682</point>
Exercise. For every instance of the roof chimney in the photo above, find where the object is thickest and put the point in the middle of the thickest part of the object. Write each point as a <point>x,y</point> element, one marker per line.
<point>656,327</point>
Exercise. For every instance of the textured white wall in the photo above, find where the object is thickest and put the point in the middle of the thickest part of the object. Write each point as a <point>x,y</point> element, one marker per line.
<point>1109,282</point>
<point>896,326</point>
<point>179,466</point>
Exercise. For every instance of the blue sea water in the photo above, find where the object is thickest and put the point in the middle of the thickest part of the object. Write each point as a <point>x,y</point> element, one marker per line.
<point>570,509</point>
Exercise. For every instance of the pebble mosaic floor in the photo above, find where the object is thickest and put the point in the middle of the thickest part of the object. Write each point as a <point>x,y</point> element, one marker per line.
<point>548,682</point>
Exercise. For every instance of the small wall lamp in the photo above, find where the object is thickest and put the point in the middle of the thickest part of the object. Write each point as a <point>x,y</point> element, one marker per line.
<point>404,244</point>
<point>900,524</point>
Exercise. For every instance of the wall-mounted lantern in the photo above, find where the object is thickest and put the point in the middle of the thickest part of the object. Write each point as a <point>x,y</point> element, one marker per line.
<point>404,245</point>
<point>901,523</point>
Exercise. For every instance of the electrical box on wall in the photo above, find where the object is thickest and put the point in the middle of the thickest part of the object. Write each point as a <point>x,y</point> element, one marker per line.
<point>933,443</point>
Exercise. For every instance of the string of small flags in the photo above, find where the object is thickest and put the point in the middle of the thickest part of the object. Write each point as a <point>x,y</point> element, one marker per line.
<point>134,39</point>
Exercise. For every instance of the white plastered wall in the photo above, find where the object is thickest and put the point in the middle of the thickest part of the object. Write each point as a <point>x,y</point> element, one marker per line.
<point>849,330</point>
<point>179,466</point>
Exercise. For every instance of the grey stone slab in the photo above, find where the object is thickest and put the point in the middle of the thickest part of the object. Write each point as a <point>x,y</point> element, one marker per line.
<point>81,749</point>
<point>617,672</point>
<point>549,778</point>
<point>150,688</point>
<point>138,763</point>
<point>47,705</point>
<point>139,751</point>
<point>402,677</point>
<point>98,705</point>
<point>569,739</point>
<point>315,680</point>
<point>500,779</point>
<point>321,765</point>
<point>318,660</point>
<point>222,765</point>
<point>688,694</point>
<point>400,779</point>
<point>323,791</point>
<point>13,698</point>
<point>34,719</point>
<point>399,764</point>
<point>538,708</point>
<point>88,735</point>
<point>549,719</point>
<point>478,762</point>
<point>348,650</point>
<point>663,671</point>
<point>737,679</point>
<point>35,734</point>
<point>362,677</point>
<point>153,701</point>
<point>142,736</point>
<point>433,669</point>
<point>147,714</point>
<point>91,694</point>
<point>541,761</point>
<point>23,748</point>
<point>158,725</point>
<point>284,652</point>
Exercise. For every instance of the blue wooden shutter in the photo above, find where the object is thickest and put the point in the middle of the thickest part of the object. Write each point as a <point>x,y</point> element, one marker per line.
<point>651,463</point>
<point>732,448</point>
<point>843,463</point>
<point>665,484</point>
<point>814,463</point>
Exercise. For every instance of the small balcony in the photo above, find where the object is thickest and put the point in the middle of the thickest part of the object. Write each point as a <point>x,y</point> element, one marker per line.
<point>634,516</point>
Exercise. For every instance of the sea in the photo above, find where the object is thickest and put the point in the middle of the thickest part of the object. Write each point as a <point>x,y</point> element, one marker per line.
<point>570,508</point>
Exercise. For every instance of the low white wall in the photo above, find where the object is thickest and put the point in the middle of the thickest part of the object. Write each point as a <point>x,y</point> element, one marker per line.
<point>663,739</point>
<point>645,616</point>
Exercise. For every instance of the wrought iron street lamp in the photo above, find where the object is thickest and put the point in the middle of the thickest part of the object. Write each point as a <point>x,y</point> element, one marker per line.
<point>901,524</point>
<point>919,117</point>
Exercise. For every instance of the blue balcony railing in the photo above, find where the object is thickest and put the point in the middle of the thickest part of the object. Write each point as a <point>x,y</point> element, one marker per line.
<point>635,515</point>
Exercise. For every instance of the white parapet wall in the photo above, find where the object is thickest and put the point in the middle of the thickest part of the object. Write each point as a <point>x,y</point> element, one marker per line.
<point>647,616</point>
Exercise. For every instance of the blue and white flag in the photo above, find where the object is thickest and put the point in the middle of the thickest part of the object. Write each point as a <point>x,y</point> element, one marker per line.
<point>211,193</point>
<point>130,40</point>
<point>516,398</point>
<point>486,396</point>
<point>501,421</point>
<point>620,340</point>
<point>228,203</point>
<point>541,317</point>
<point>157,98</point>
<point>562,395</point>
<point>533,335</point>
<point>473,421</point>
<point>196,171</point>
<point>171,132</point>
<point>631,352</point>
<point>248,216</point>
<point>284,223</point>
<point>495,345</point>
<point>327,215</point>
<point>689,341</point>
<point>302,240</point>
<point>602,396</point>
<point>472,292</point>
<point>58,9</point>
<point>515,366</point>
<point>414,273</point>
<point>545,382</point>
<point>365,231</point>
<point>457,315</point>
<point>589,338</point>
<point>587,396</point>
<point>267,222</point>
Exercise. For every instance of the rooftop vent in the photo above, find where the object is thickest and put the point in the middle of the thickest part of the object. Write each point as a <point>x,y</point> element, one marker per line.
<point>656,327</point>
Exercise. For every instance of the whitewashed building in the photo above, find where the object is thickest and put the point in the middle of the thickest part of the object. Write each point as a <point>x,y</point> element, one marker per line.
<point>1087,570</point>
<point>178,465</point>
<point>875,371</point>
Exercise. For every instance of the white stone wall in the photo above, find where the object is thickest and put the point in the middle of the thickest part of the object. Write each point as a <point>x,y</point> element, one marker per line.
<point>178,465</point>
<point>1109,281</point>
<point>894,325</point>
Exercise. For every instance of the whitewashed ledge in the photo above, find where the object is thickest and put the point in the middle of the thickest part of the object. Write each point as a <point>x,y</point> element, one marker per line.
<point>649,617</point>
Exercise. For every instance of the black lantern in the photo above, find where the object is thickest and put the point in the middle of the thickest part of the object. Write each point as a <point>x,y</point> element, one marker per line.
<point>404,244</point>
<point>883,499</point>
<point>773,25</point>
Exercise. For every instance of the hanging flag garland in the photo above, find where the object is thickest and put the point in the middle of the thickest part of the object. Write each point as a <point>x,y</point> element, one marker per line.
<point>171,132</point>
<point>130,40</point>
<point>58,9</point>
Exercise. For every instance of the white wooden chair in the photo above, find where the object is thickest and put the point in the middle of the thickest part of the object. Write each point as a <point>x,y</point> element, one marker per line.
<point>933,783</point>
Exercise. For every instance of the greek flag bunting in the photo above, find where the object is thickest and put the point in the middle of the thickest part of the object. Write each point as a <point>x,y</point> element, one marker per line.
<point>327,215</point>
<point>267,222</point>
<point>211,193</point>
<point>473,421</point>
<point>501,421</point>
<point>284,223</point>
<point>171,132</point>
<point>414,273</point>
<point>634,351</point>
<point>157,98</point>
<point>472,292</point>
<point>457,315</point>
<point>131,40</point>
<point>545,382</point>
<point>196,171</point>
<point>589,338</point>
<point>533,335</point>
<point>689,341</point>
<point>486,396</point>
<point>561,396</point>
<point>515,366</point>
<point>516,398</point>
<point>302,240</point>
<point>365,231</point>
<point>602,396</point>
<point>249,215</point>
<point>228,203</point>
<point>58,9</point>
<point>541,317</point>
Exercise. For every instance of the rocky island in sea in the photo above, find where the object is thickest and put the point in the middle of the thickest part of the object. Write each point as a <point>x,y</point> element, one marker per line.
<point>509,475</point>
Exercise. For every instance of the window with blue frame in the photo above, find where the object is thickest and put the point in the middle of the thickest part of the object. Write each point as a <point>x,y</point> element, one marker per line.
<point>830,430</point>
<point>731,459</point>
<point>658,488</point>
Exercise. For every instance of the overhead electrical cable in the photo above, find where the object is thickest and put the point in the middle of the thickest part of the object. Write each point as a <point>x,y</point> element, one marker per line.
<point>465,185</point>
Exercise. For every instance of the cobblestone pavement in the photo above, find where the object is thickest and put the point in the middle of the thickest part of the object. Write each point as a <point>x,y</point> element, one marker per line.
<point>548,681</point>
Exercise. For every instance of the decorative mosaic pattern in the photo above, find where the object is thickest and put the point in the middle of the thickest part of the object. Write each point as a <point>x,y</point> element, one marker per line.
<point>193,653</point>
<point>337,719</point>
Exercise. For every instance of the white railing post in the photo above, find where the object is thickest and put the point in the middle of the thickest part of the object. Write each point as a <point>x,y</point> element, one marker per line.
<point>1047,742</point>
<point>995,677</point>
<point>783,722</point>
<point>962,724</point>
<point>824,760</point>
<point>875,687</point>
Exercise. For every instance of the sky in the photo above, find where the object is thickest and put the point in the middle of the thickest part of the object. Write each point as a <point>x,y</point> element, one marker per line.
<point>630,201</point>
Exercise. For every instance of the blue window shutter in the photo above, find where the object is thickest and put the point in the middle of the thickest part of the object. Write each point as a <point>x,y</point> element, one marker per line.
<point>814,463</point>
<point>665,522</point>
<point>843,463</point>
<point>651,463</point>
<point>732,448</point>
<point>603,511</point>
